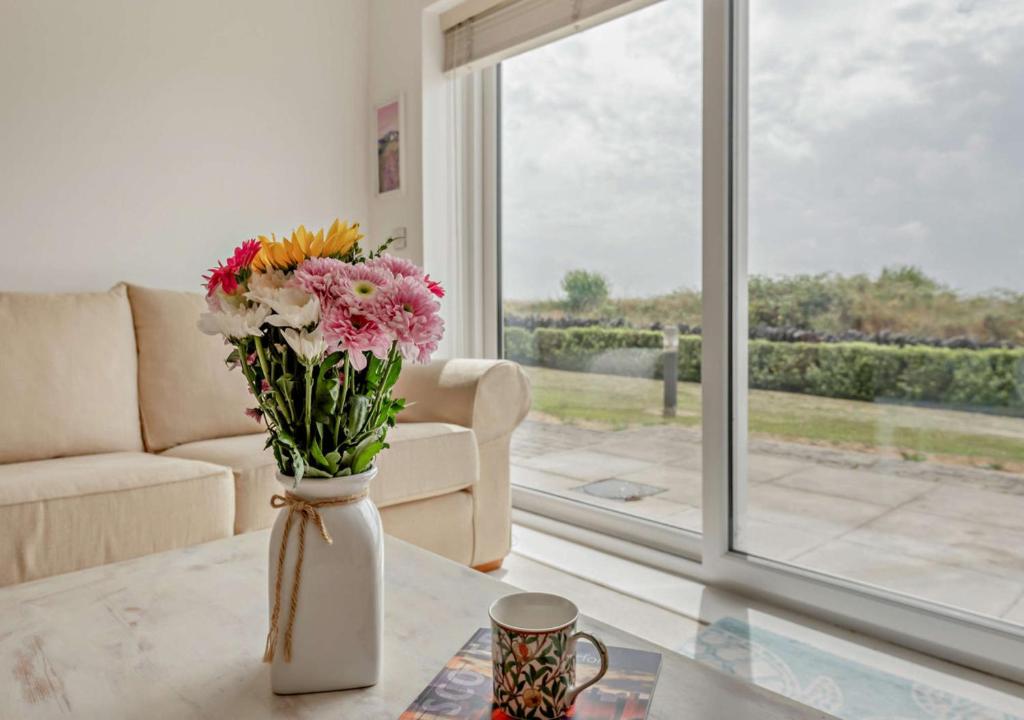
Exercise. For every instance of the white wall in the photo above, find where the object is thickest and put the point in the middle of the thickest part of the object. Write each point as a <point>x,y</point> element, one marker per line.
<point>142,140</point>
<point>406,56</point>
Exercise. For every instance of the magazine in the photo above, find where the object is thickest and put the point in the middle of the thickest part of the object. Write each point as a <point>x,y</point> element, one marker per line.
<point>462,690</point>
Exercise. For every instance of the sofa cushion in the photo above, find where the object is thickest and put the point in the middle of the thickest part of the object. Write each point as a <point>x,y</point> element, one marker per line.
<point>254,475</point>
<point>72,513</point>
<point>442,525</point>
<point>424,460</point>
<point>69,375</point>
<point>186,392</point>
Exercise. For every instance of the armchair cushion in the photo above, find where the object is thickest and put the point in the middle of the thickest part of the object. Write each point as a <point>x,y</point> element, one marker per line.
<point>490,396</point>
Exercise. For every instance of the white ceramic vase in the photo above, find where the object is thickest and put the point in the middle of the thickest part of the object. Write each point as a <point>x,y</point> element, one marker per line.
<point>338,627</point>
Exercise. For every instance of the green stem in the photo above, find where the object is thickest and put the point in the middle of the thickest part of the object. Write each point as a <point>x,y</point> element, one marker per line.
<point>371,418</point>
<point>265,366</point>
<point>309,404</point>
<point>341,403</point>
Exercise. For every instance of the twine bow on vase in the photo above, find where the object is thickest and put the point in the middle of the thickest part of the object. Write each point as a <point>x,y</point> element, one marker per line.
<point>308,510</point>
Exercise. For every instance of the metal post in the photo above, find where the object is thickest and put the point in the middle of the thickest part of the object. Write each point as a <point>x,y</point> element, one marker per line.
<point>670,369</point>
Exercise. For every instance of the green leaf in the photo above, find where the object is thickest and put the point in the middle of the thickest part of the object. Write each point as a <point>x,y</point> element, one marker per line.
<point>365,454</point>
<point>329,362</point>
<point>298,465</point>
<point>393,372</point>
<point>325,401</point>
<point>312,471</point>
<point>324,461</point>
<point>359,408</point>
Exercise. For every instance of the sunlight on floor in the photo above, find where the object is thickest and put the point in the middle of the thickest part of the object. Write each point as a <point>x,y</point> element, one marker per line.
<point>852,676</point>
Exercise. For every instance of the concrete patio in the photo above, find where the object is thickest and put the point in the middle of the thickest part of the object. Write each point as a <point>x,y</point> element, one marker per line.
<point>950,534</point>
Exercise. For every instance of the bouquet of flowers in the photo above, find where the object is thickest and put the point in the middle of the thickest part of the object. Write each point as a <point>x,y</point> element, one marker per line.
<point>320,331</point>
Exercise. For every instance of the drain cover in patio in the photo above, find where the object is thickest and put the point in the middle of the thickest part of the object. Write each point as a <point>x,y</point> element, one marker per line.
<point>613,489</point>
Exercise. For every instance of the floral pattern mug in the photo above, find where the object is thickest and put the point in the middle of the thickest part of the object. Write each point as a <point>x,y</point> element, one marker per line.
<point>533,648</point>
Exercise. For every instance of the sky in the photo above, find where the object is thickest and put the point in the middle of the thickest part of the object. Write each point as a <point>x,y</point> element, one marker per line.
<point>882,132</point>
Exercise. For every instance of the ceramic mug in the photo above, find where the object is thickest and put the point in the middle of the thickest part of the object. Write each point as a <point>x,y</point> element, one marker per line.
<point>533,648</point>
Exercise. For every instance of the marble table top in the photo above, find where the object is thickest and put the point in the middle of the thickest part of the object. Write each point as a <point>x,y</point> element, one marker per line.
<point>181,634</point>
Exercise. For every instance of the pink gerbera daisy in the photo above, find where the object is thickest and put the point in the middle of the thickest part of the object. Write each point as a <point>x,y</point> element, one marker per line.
<point>399,267</point>
<point>410,312</point>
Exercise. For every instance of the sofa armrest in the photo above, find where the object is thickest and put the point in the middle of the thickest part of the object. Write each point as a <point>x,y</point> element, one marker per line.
<point>490,396</point>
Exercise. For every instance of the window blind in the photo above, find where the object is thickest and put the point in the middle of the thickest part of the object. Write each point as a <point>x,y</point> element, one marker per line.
<point>506,28</point>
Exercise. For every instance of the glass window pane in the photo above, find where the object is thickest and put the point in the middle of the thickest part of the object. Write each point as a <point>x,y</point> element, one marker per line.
<point>601,262</point>
<point>886,296</point>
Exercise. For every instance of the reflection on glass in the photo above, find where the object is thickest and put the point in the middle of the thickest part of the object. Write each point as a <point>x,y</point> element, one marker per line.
<point>886,304</point>
<point>601,241</point>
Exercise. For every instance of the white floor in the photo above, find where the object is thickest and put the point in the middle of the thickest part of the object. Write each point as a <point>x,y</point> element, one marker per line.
<point>670,610</point>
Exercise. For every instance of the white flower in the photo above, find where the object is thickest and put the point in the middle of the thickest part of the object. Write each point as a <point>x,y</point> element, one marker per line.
<point>293,308</point>
<point>264,286</point>
<point>234,322</point>
<point>309,346</point>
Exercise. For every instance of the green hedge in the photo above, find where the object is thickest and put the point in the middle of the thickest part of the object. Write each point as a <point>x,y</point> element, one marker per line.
<point>855,371</point>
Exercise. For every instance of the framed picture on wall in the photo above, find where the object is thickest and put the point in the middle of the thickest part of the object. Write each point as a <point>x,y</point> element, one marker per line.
<point>388,133</point>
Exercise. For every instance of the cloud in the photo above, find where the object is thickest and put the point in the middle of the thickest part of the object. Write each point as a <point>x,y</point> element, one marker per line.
<point>882,132</point>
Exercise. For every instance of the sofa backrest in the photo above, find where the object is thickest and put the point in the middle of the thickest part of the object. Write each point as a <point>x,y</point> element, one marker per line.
<point>186,392</point>
<point>67,375</point>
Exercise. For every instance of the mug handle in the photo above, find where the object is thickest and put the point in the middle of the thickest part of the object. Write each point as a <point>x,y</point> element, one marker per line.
<point>601,650</point>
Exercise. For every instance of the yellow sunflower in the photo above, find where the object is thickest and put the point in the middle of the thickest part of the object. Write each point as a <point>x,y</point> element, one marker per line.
<point>289,252</point>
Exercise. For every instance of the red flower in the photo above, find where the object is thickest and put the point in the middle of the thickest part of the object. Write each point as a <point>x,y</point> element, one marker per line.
<point>222,276</point>
<point>434,286</point>
<point>244,254</point>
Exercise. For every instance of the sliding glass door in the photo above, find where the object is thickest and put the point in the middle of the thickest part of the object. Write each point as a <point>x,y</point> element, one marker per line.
<point>886,297</point>
<point>829,385</point>
<point>601,269</point>
<point>865,442</point>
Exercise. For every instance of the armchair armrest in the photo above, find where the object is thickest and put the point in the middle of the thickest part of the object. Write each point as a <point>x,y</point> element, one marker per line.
<point>492,397</point>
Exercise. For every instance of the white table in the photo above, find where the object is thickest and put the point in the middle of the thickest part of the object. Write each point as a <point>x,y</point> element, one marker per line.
<point>180,635</point>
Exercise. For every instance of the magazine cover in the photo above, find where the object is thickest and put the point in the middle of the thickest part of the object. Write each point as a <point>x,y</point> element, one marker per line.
<point>463,687</point>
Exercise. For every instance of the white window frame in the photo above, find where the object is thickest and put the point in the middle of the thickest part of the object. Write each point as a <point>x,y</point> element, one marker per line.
<point>951,633</point>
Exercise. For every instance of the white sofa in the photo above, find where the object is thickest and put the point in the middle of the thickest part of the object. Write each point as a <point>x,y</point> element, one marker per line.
<point>122,433</point>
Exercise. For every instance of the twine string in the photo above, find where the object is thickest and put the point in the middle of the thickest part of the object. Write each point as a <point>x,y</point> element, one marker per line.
<point>307,510</point>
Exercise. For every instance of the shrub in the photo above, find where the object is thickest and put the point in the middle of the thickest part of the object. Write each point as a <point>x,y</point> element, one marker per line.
<point>992,378</point>
<point>584,290</point>
<point>519,346</point>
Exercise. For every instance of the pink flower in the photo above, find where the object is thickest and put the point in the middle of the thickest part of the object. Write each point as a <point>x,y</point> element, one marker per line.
<point>410,312</point>
<point>255,413</point>
<point>363,283</point>
<point>399,267</point>
<point>347,327</point>
<point>434,286</point>
<point>251,358</point>
<point>322,277</point>
<point>264,386</point>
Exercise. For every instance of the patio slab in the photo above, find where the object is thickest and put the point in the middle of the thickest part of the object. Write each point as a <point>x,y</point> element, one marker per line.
<point>950,584</point>
<point>778,542</point>
<point>813,512</point>
<point>1016,613</point>
<point>766,468</point>
<point>984,507</point>
<point>681,484</point>
<point>585,464</point>
<point>888,490</point>
<point>992,549</point>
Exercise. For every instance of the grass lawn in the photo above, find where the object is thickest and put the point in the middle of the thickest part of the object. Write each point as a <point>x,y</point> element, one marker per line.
<point>916,433</point>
